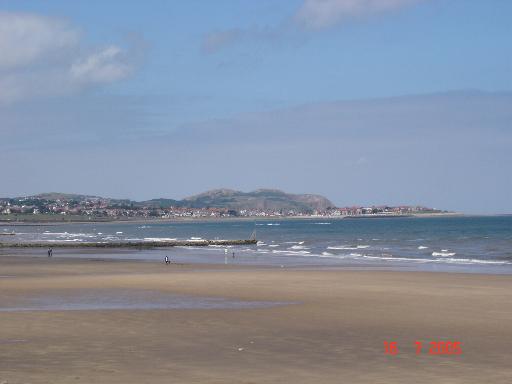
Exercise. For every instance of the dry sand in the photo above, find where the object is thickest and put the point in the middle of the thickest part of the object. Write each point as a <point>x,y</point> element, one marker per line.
<point>334,334</point>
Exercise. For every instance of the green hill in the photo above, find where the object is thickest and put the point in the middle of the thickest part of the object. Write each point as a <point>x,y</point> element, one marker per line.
<point>261,199</point>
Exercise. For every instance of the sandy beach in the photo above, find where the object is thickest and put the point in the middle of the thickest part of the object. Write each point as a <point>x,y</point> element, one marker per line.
<point>332,331</point>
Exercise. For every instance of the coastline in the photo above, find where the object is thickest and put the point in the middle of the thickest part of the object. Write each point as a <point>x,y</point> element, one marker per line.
<point>334,326</point>
<point>226,219</point>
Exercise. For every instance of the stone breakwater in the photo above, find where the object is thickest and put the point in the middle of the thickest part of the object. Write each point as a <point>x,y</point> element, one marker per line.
<point>128,244</point>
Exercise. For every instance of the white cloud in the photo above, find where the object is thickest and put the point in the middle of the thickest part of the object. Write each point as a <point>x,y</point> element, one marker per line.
<point>105,66</point>
<point>25,38</point>
<point>318,14</point>
<point>44,56</point>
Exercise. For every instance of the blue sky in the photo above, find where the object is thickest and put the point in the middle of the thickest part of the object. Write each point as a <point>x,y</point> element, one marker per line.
<point>364,101</point>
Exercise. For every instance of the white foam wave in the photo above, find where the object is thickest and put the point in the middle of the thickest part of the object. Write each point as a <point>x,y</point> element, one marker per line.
<point>390,258</point>
<point>61,235</point>
<point>288,252</point>
<point>393,258</point>
<point>472,261</point>
<point>444,253</point>
<point>298,247</point>
<point>422,247</point>
<point>159,239</point>
<point>349,248</point>
<point>65,240</point>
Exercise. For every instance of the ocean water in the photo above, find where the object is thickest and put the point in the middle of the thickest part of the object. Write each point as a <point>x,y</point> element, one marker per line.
<point>427,242</point>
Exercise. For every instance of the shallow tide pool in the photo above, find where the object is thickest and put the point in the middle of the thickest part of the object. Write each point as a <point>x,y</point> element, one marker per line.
<point>119,299</point>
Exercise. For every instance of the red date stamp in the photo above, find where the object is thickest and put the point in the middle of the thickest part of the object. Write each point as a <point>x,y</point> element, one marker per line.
<point>432,347</point>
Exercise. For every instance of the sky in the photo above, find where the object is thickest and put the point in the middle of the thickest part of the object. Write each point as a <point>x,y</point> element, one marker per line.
<point>363,101</point>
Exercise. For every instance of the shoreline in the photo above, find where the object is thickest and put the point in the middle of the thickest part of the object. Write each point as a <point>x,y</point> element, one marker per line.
<point>227,219</point>
<point>192,258</point>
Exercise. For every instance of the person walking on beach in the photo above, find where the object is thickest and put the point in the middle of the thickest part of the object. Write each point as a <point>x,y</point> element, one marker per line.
<point>167,261</point>
<point>233,255</point>
<point>50,252</point>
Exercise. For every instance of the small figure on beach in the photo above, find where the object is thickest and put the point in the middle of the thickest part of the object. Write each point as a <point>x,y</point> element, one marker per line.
<point>233,255</point>
<point>167,260</point>
<point>50,252</point>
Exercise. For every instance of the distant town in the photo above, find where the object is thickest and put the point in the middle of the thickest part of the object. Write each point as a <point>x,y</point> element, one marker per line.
<point>62,207</point>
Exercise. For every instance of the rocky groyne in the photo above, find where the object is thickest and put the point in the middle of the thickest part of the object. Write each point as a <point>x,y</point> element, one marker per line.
<point>128,244</point>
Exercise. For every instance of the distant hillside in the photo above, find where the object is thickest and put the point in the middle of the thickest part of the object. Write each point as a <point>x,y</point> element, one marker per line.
<point>63,196</point>
<point>160,203</point>
<point>261,199</point>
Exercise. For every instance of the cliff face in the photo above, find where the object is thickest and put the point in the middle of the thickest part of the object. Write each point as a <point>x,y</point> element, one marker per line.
<point>268,199</point>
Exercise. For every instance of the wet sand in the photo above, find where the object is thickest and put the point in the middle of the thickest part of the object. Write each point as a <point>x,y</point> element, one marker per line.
<point>333,333</point>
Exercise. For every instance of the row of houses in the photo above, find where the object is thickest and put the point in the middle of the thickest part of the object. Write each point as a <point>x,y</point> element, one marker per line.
<point>380,210</point>
<point>103,208</point>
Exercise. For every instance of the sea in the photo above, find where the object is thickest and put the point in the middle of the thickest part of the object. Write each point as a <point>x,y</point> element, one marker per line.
<point>480,244</point>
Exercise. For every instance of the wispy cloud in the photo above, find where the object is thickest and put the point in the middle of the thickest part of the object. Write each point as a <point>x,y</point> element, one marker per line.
<point>417,118</point>
<point>46,56</point>
<point>214,41</point>
<point>104,66</point>
<point>311,16</point>
<point>319,14</point>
